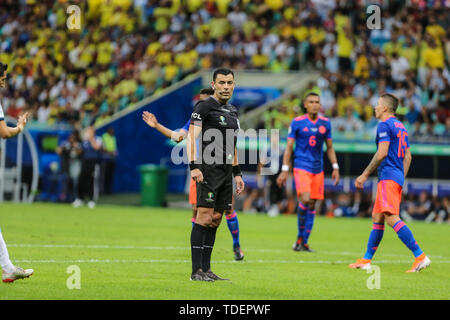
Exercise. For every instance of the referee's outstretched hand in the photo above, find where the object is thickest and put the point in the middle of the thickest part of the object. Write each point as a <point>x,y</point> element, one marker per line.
<point>197,175</point>
<point>150,119</point>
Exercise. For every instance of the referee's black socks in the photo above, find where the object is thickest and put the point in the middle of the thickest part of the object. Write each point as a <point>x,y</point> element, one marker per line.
<point>197,237</point>
<point>208,244</point>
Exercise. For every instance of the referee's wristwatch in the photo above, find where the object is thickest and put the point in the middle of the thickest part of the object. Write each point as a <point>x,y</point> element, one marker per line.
<point>193,165</point>
<point>237,171</point>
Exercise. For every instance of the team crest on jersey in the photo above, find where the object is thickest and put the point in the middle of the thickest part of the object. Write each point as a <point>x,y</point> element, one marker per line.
<point>322,129</point>
<point>305,129</point>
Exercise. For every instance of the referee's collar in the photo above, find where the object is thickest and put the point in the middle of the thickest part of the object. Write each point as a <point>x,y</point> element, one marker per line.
<point>212,96</point>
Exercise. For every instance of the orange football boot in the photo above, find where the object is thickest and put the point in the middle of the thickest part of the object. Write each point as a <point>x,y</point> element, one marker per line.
<point>363,264</point>
<point>421,262</point>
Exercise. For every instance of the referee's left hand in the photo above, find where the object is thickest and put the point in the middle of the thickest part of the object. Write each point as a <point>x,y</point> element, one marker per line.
<point>239,184</point>
<point>197,175</point>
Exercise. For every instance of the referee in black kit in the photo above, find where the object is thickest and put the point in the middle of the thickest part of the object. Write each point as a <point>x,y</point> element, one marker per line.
<point>216,123</point>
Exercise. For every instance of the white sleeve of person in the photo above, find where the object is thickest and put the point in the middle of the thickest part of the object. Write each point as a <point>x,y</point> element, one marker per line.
<point>2,116</point>
<point>99,141</point>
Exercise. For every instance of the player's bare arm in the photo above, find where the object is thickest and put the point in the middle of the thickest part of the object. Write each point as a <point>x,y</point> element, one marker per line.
<point>407,161</point>
<point>10,132</point>
<point>191,146</point>
<point>333,160</point>
<point>152,121</point>
<point>237,174</point>
<point>281,180</point>
<point>380,155</point>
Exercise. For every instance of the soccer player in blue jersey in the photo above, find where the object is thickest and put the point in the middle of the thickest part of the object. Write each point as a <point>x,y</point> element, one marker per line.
<point>178,136</point>
<point>392,159</point>
<point>308,132</point>
<point>10,273</point>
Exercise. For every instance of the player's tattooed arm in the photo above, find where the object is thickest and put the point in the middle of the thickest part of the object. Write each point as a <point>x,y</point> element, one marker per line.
<point>380,155</point>
<point>373,165</point>
<point>407,161</point>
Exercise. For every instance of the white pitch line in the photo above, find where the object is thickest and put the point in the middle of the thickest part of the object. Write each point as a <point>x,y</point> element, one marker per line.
<point>93,246</point>
<point>217,261</point>
<point>97,246</point>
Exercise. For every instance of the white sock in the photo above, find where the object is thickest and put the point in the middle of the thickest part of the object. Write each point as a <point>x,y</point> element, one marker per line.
<point>6,264</point>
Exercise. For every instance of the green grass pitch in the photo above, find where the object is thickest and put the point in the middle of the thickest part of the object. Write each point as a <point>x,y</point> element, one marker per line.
<point>142,253</point>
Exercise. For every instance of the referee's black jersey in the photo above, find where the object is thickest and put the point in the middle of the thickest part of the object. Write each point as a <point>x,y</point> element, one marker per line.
<point>220,125</point>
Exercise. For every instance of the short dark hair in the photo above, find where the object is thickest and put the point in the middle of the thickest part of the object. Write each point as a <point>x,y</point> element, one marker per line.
<point>224,71</point>
<point>310,94</point>
<point>209,91</point>
<point>391,101</point>
<point>3,68</point>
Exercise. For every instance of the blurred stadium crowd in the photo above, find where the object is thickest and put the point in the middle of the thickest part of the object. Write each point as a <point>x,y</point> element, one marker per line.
<point>127,50</point>
<point>409,57</point>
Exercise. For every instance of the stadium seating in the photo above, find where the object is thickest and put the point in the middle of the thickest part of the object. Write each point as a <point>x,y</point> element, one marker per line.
<point>128,50</point>
<point>131,49</point>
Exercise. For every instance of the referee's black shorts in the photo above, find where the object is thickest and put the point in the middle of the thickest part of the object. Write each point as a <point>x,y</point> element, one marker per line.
<point>216,190</point>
